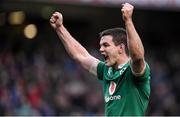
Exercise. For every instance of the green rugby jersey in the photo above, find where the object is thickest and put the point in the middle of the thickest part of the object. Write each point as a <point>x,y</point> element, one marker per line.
<point>124,93</point>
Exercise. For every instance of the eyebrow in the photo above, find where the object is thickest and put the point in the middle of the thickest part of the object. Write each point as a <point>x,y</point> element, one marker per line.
<point>103,43</point>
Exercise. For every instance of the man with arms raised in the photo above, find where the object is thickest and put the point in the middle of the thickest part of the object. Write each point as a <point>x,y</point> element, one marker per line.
<point>125,74</point>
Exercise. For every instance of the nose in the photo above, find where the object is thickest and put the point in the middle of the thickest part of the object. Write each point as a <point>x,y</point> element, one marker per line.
<point>101,49</point>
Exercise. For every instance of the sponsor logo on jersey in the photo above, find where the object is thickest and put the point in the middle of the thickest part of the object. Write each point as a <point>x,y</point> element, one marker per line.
<point>111,98</point>
<point>112,87</point>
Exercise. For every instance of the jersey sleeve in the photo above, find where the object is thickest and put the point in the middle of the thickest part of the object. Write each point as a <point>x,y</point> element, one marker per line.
<point>143,83</point>
<point>146,75</point>
<point>100,70</point>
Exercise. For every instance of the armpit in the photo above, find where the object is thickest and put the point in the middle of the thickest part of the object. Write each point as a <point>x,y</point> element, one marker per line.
<point>93,68</point>
<point>140,73</point>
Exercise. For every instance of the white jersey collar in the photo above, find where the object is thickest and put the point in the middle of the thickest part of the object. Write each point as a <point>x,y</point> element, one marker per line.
<point>121,65</point>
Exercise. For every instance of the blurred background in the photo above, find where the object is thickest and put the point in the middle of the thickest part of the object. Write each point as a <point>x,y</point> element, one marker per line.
<point>38,78</point>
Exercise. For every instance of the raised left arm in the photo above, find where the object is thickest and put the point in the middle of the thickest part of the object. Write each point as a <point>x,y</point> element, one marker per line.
<point>135,46</point>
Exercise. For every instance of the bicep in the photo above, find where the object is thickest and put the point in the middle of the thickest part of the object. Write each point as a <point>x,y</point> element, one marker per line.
<point>90,63</point>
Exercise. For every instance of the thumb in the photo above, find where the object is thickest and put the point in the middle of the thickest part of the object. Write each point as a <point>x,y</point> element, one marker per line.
<point>53,25</point>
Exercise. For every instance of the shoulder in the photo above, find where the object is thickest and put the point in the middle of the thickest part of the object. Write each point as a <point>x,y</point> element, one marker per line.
<point>101,70</point>
<point>144,70</point>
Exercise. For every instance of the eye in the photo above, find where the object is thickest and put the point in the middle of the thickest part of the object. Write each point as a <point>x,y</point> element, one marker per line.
<point>105,45</point>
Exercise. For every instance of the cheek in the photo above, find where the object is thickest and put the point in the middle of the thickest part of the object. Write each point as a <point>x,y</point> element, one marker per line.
<point>114,55</point>
<point>114,52</point>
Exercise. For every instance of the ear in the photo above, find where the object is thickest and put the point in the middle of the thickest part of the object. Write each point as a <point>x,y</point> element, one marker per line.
<point>121,48</point>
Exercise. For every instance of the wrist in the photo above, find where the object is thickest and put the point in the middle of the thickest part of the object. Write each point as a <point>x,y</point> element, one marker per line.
<point>128,21</point>
<point>59,28</point>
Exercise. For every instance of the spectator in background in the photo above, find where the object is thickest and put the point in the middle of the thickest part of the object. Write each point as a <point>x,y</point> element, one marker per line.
<point>125,74</point>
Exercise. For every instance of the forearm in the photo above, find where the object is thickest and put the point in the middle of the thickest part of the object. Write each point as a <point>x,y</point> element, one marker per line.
<point>73,47</point>
<point>136,49</point>
<point>135,46</point>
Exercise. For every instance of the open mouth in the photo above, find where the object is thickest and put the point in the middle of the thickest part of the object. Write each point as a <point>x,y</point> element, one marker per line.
<point>105,57</point>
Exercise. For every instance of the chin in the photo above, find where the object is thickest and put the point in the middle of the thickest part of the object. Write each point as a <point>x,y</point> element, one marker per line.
<point>108,64</point>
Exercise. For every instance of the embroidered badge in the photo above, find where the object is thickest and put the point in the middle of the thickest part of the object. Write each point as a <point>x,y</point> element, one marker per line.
<point>112,87</point>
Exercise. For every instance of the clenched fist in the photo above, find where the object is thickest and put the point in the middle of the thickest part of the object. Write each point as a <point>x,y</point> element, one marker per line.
<point>56,20</point>
<point>127,11</point>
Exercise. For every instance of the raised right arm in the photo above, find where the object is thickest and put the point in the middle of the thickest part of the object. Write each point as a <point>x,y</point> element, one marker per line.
<point>72,46</point>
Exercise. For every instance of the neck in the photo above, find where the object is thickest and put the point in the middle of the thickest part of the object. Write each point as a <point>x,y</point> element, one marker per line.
<point>122,60</point>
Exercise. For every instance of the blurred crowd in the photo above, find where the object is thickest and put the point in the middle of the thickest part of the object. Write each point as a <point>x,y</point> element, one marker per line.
<point>47,82</point>
<point>165,88</point>
<point>41,84</point>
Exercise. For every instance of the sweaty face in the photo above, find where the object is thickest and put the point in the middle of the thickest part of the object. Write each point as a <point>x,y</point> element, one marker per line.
<point>109,50</point>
